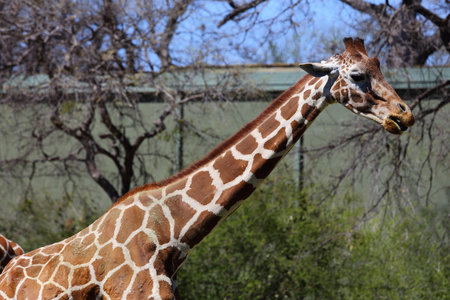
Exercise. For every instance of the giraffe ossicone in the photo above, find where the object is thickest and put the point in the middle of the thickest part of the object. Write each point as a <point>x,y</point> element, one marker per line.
<point>134,250</point>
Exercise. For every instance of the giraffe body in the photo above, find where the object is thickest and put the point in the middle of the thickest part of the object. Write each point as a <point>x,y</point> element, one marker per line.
<point>8,250</point>
<point>134,250</point>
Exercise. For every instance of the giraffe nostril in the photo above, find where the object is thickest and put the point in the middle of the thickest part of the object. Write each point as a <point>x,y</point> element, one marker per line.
<point>402,107</point>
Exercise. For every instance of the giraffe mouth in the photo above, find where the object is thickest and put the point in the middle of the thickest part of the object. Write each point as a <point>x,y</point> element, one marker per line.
<point>399,124</point>
<point>394,125</point>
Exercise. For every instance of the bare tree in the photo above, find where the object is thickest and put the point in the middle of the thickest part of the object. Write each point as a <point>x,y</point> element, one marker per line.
<point>410,32</point>
<point>74,65</point>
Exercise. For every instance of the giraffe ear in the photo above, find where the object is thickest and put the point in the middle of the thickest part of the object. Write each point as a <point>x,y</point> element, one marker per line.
<point>320,69</point>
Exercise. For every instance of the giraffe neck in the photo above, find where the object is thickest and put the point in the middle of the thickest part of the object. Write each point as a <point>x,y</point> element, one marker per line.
<point>186,207</point>
<point>137,246</point>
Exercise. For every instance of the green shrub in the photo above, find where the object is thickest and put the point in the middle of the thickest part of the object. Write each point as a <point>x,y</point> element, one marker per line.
<point>42,221</point>
<point>286,244</point>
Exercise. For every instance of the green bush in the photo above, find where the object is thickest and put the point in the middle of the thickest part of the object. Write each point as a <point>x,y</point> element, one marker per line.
<point>42,221</point>
<point>286,244</point>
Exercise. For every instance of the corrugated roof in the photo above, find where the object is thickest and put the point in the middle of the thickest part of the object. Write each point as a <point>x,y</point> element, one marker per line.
<point>271,78</point>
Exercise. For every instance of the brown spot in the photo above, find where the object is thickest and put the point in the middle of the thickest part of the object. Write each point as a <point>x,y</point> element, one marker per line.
<point>49,268</point>
<point>313,81</point>
<point>132,219</point>
<point>141,287</point>
<point>165,290</point>
<point>77,253</point>
<point>40,259</point>
<point>145,199</point>
<point>167,261</point>
<point>81,276</point>
<point>306,94</point>
<point>158,222</point>
<point>89,292</point>
<point>297,130</point>
<point>109,259</point>
<point>337,85</point>
<point>183,212</point>
<point>108,225</point>
<point>309,112</point>
<point>268,126</point>
<point>317,96</point>
<point>55,248</point>
<point>29,289</point>
<point>201,228</point>
<point>318,84</point>
<point>247,145</point>
<point>51,291</point>
<point>301,89</point>
<point>89,239</point>
<point>156,193</point>
<point>234,194</point>
<point>116,284</point>
<point>25,260</point>
<point>141,249</point>
<point>201,188</point>
<point>3,243</point>
<point>294,125</point>
<point>261,167</point>
<point>33,271</point>
<point>176,186</point>
<point>290,108</point>
<point>8,286</point>
<point>229,168</point>
<point>278,142</point>
<point>62,276</point>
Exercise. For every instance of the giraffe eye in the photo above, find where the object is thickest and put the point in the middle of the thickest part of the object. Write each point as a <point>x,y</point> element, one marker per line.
<point>357,77</point>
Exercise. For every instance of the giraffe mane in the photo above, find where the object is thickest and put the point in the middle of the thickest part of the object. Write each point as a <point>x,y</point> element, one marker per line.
<point>224,145</point>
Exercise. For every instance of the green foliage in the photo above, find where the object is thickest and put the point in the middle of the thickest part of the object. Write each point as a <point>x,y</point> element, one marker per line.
<point>44,221</point>
<point>285,244</point>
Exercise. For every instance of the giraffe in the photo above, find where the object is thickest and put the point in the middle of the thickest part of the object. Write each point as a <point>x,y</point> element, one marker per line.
<point>8,250</point>
<point>134,250</point>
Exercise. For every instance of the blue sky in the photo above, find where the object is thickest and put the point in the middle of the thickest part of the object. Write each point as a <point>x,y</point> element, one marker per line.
<point>318,34</point>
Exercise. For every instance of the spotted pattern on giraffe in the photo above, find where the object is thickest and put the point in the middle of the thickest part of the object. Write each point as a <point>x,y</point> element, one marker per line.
<point>317,96</point>
<point>318,85</point>
<point>290,108</point>
<point>235,167</point>
<point>8,250</point>
<point>306,94</point>
<point>134,250</point>
<point>248,145</point>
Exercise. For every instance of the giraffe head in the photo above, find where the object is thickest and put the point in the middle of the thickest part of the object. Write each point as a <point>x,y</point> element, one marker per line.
<point>356,81</point>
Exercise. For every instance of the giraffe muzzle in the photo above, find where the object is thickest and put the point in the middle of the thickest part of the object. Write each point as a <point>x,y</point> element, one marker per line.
<point>400,118</point>
<point>398,124</point>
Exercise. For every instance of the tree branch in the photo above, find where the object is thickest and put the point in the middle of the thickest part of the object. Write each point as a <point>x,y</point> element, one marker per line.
<point>375,10</point>
<point>90,146</point>
<point>238,10</point>
<point>162,48</point>
<point>428,93</point>
<point>442,24</point>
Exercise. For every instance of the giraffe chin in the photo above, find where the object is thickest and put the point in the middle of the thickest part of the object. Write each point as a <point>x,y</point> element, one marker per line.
<point>394,125</point>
